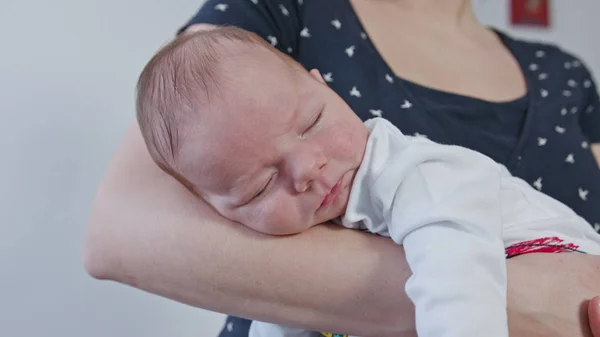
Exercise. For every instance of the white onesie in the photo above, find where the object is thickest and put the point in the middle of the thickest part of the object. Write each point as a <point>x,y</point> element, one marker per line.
<point>459,215</point>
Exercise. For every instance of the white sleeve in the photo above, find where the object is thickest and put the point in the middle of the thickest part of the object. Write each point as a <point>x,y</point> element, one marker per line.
<point>443,204</point>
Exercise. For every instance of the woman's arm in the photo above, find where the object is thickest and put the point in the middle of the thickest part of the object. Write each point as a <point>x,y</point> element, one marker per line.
<point>548,295</point>
<point>149,232</point>
<point>596,152</point>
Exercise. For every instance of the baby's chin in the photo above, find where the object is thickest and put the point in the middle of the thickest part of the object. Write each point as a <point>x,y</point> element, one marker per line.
<point>335,213</point>
<point>344,199</point>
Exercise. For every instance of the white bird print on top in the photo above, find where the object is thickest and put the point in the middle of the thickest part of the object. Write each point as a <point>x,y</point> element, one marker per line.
<point>254,2</point>
<point>272,39</point>
<point>533,67</point>
<point>336,23</point>
<point>597,227</point>
<point>284,10</point>
<point>542,141</point>
<point>221,7</point>
<point>564,111</point>
<point>376,113</point>
<point>559,129</point>
<point>354,92</point>
<point>305,33</point>
<point>328,77</point>
<point>587,83</point>
<point>570,158</point>
<point>589,109</point>
<point>544,92</point>
<point>540,53</point>
<point>389,78</point>
<point>406,104</point>
<point>538,184</point>
<point>542,76</point>
<point>572,83</point>
<point>585,145</point>
<point>583,194</point>
<point>350,51</point>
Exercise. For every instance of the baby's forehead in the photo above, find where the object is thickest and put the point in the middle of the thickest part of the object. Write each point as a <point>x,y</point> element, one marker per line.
<point>258,97</point>
<point>238,126</point>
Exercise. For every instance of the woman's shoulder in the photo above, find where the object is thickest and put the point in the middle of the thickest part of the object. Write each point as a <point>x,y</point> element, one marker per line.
<point>279,16</point>
<point>278,22</point>
<point>544,53</point>
<point>282,22</point>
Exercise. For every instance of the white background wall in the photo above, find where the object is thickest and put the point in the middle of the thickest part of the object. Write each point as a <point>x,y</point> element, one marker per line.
<point>67,72</point>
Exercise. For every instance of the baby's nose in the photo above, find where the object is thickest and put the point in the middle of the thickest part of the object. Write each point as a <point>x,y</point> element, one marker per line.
<point>306,168</point>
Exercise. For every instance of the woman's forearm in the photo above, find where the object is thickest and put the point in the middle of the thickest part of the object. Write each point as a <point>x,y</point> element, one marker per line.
<point>548,294</point>
<point>148,231</point>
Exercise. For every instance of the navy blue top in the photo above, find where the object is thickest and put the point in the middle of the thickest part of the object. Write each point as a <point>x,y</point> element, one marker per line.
<point>543,138</point>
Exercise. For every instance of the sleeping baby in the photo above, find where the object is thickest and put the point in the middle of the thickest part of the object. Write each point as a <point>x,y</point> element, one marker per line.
<point>269,145</point>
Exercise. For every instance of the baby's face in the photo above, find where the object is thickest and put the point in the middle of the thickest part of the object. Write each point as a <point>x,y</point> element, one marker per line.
<point>277,152</point>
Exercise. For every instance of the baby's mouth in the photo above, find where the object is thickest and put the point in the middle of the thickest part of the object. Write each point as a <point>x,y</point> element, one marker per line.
<point>335,190</point>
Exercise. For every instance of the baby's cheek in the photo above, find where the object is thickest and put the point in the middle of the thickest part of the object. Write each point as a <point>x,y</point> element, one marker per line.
<point>346,139</point>
<point>342,145</point>
<point>276,217</point>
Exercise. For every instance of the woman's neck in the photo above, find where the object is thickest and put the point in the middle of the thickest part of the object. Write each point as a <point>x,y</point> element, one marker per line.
<point>448,14</point>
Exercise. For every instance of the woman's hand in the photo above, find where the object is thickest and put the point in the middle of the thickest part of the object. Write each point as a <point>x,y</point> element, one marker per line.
<point>549,295</point>
<point>594,316</point>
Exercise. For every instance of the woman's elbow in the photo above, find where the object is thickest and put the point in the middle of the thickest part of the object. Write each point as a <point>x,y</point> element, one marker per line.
<point>99,257</point>
<point>106,238</point>
<point>95,263</point>
<point>130,168</point>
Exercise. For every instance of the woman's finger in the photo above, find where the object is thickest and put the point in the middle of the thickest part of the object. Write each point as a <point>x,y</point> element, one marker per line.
<point>594,315</point>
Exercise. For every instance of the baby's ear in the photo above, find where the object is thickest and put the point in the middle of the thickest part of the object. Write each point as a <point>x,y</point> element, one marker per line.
<point>317,75</point>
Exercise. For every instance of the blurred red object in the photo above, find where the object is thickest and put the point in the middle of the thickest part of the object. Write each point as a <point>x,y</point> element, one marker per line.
<point>530,12</point>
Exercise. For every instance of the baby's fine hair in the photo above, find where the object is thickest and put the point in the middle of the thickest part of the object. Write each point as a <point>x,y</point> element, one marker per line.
<point>177,82</point>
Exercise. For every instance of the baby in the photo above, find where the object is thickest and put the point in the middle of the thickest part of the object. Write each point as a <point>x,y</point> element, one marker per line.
<point>271,146</point>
